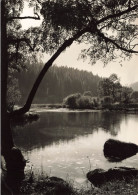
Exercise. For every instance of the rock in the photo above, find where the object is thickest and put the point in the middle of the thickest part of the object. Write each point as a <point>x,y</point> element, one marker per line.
<point>115,150</point>
<point>100,176</point>
<point>96,176</point>
<point>31,116</point>
<point>56,179</point>
<point>56,186</point>
<point>26,118</point>
<point>15,160</point>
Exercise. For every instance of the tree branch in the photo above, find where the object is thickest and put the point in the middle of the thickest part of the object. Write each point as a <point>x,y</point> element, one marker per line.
<point>114,43</point>
<point>129,3</point>
<point>24,17</point>
<point>38,1</point>
<point>118,14</point>
<point>27,41</point>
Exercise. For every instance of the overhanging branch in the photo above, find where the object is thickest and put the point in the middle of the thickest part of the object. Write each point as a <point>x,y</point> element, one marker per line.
<point>107,39</point>
<point>24,17</point>
<point>118,14</point>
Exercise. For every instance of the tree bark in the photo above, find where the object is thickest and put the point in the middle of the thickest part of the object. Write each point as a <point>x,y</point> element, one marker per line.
<point>15,162</point>
<point>7,141</point>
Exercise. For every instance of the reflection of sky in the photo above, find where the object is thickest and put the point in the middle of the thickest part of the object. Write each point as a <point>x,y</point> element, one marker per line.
<point>73,158</point>
<point>130,135</point>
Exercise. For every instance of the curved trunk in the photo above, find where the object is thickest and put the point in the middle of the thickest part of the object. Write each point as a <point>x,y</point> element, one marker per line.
<point>41,75</point>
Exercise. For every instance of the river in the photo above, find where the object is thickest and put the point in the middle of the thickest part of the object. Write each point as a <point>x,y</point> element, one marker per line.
<point>68,144</point>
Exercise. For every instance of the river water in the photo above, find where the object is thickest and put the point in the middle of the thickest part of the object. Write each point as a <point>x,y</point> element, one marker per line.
<point>68,144</point>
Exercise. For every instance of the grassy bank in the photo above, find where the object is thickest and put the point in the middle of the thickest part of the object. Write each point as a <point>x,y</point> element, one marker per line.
<point>44,186</point>
<point>55,186</point>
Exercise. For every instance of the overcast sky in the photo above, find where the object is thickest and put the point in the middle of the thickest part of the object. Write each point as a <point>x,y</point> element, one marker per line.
<point>128,72</point>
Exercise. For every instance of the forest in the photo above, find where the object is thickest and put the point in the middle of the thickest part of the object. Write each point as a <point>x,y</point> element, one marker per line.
<point>63,83</point>
<point>58,83</point>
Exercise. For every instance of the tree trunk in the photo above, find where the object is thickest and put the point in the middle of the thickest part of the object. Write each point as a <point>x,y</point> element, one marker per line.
<point>8,149</point>
<point>7,141</point>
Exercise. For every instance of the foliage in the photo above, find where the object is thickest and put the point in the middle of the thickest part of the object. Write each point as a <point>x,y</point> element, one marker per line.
<point>21,44</point>
<point>126,94</point>
<point>58,83</point>
<point>85,102</point>
<point>71,100</point>
<point>134,96</point>
<point>104,87</point>
<point>106,100</point>
<point>87,93</point>
<point>78,101</point>
<point>13,92</point>
<point>43,185</point>
<point>107,30</point>
<point>111,87</point>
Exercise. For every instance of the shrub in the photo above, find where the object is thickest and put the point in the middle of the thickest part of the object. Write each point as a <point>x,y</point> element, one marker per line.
<point>106,100</point>
<point>79,101</point>
<point>85,102</point>
<point>134,97</point>
<point>87,93</point>
<point>71,100</point>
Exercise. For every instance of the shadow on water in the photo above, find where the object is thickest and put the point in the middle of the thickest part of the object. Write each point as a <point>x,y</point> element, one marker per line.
<point>116,159</point>
<point>53,127</point>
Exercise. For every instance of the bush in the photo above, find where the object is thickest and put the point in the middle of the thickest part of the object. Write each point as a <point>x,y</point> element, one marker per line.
<point>132,105</point>
<point>106,100</point>
<point>87,93</point>
<point>79,101</point>
<point>71,100</point>
<point>134,94</point>
<point>95,101</point>
<point>85,102</point>
<point>13,94</point>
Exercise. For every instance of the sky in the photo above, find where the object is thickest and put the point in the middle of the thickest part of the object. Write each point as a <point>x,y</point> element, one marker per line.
<point>127,71</point>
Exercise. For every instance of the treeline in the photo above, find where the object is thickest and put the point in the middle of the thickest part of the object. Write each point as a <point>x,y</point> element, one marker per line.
<point>58,83</point>
<point>111,95</point>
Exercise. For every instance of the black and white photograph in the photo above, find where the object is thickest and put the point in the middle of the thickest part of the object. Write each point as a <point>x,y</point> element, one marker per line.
<point>69,97</point>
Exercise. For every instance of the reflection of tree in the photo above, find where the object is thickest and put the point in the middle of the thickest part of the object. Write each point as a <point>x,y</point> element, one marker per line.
<point>111,122</point>
<point>54,127</point>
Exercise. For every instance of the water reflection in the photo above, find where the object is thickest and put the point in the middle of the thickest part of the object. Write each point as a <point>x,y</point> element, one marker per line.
<point>54,127</point>
<point>62,144</point>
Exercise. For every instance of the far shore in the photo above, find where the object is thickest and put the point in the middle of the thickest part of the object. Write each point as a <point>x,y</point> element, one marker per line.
<point>105,108</point>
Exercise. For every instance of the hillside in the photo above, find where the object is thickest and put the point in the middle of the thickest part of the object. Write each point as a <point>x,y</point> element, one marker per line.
<point>57,83</point>
<point>134,86</point>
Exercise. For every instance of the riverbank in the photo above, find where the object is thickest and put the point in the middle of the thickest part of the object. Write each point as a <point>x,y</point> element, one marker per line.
<point>56,186</point>
<point>114,188</point>
<point>113,107</point>
<point>60,121</point>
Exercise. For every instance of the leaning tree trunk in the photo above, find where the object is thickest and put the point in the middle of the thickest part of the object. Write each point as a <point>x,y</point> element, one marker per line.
<point>41,75</point>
